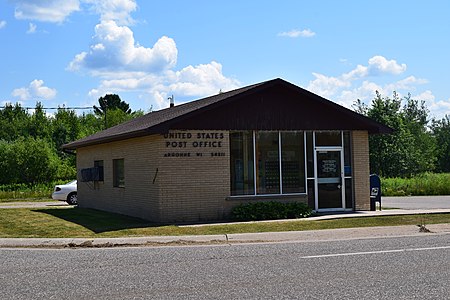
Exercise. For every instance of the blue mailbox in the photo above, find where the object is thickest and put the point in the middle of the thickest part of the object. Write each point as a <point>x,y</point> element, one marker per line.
<point>375,191</point>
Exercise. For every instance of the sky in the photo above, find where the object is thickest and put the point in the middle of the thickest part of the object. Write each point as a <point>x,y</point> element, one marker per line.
<point>71,52</point>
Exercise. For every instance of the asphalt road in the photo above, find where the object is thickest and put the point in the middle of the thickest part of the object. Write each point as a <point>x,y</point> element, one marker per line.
<point>415,267</point>
<point>416,202</point>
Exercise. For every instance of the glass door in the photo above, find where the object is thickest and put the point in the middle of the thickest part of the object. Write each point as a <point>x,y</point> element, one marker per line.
<point>329,179</point>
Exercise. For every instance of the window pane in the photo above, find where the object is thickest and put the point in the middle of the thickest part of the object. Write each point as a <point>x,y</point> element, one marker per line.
<point>328,138</point>
<point>347,154</point>
<point>241,160</point>
<point>311,193</point>
<point>293,162</point>
<point>310,154</point>
<point>348,193</point>
<point>118,173</point>
<point>268,166</point>
<point>99,165</point>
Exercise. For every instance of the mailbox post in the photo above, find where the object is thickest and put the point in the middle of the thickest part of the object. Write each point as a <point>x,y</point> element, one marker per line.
<point>375,191</point>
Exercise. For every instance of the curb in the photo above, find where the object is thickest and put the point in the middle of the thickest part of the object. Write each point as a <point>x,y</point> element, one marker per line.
<point>264,237</point>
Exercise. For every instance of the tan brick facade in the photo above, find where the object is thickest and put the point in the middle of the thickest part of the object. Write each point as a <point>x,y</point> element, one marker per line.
<point>361,183</point>
<point>194,188</point>
<point>184,176</point>
<point>180,177</point>
<point>140,197</point>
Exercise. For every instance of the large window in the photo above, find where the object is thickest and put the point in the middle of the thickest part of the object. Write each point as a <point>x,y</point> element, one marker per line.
<point>242,168</point>
<point>277,159</point>
<point>293,162</point>
<point>268,163</point>
<point>118,173</point>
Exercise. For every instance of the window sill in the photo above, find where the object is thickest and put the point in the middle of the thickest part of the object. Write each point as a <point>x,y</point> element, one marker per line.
<point>267,197</point>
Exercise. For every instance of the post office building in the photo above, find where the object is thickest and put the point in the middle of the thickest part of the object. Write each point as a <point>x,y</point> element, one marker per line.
<point>271,141</point>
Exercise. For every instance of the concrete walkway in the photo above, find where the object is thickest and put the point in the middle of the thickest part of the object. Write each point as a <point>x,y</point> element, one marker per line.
<point>33,204</point>
<point>290,236</point>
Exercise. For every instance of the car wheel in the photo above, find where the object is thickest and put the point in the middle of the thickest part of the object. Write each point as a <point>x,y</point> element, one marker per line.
<point>72,199</point>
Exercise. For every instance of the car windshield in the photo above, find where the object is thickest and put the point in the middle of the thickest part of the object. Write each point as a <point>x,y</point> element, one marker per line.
<point>72,182</point>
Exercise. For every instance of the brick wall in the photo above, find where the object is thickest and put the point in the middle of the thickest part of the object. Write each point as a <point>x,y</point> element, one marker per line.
<point>140,197</point>
<point>180,177</point>
<point>194,187</point>
<point>361,181</point>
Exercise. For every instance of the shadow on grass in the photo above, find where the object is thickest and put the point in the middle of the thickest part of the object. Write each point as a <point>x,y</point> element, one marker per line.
<point>96,220</point>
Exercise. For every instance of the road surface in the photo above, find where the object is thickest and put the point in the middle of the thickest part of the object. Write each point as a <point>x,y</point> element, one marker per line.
<point>378,268</point>
<point>416,202</point>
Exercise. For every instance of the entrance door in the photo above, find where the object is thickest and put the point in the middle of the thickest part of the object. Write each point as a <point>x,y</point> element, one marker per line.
<point>329,180</point>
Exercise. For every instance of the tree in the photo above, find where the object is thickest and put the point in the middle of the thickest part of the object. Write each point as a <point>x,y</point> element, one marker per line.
<point>110,102</point>
<point>415,115</point>
<point>441,132</point>
<point>65,127</point>
<point>117,116</point>
<point>13,122</point>
<point>30,144</point>
<point>39,124</point>
<point>410,149</point>
<point>28,160</point>
<point>90,124</point>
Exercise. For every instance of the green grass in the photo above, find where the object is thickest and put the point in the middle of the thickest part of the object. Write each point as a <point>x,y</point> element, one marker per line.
<point>89,223</point>
<point>424,184</point>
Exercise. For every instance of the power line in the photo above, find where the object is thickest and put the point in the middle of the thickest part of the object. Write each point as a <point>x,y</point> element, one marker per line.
<point>74,107</point>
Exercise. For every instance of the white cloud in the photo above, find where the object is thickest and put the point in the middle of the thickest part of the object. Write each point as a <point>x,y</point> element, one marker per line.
<point>409,83</point>
<point>31,28</point>
<point>426,96</point>
<point>54,11</point>
<point>115,50</point>
<point>329,86</point>
<point>346,88</point>
<point>438,109</point>
<point>295,33</point>
<point>192,81</point>
<point>379,65</point>
<point>36,89</point>
<point>366,90</point>
<point>21,93</point>
<point>124,65</point>
<point>2,24</point>
<point>114,10</point>
<point>357,73</point>
<point>202,80</point>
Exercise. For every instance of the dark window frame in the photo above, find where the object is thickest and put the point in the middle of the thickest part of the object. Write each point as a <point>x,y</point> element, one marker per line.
<point>119,173</point>
<point>100,165</point>
<point>257,188</point>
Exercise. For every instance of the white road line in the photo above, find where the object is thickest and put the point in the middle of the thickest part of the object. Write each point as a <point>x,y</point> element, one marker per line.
<point>376,252</point>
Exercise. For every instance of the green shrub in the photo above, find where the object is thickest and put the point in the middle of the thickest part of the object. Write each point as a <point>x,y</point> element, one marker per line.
<point>270,211</point>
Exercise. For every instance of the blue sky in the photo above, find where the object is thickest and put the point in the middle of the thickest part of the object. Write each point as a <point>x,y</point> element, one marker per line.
<point>71,52</point>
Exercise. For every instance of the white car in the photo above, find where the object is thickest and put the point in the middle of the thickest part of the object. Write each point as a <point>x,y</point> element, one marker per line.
<point>66,192</point>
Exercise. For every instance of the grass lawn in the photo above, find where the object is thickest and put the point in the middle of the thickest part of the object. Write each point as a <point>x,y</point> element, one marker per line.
<point>81,222</point>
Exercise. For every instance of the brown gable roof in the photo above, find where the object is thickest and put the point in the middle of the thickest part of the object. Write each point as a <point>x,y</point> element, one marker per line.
<point>247,108</point>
